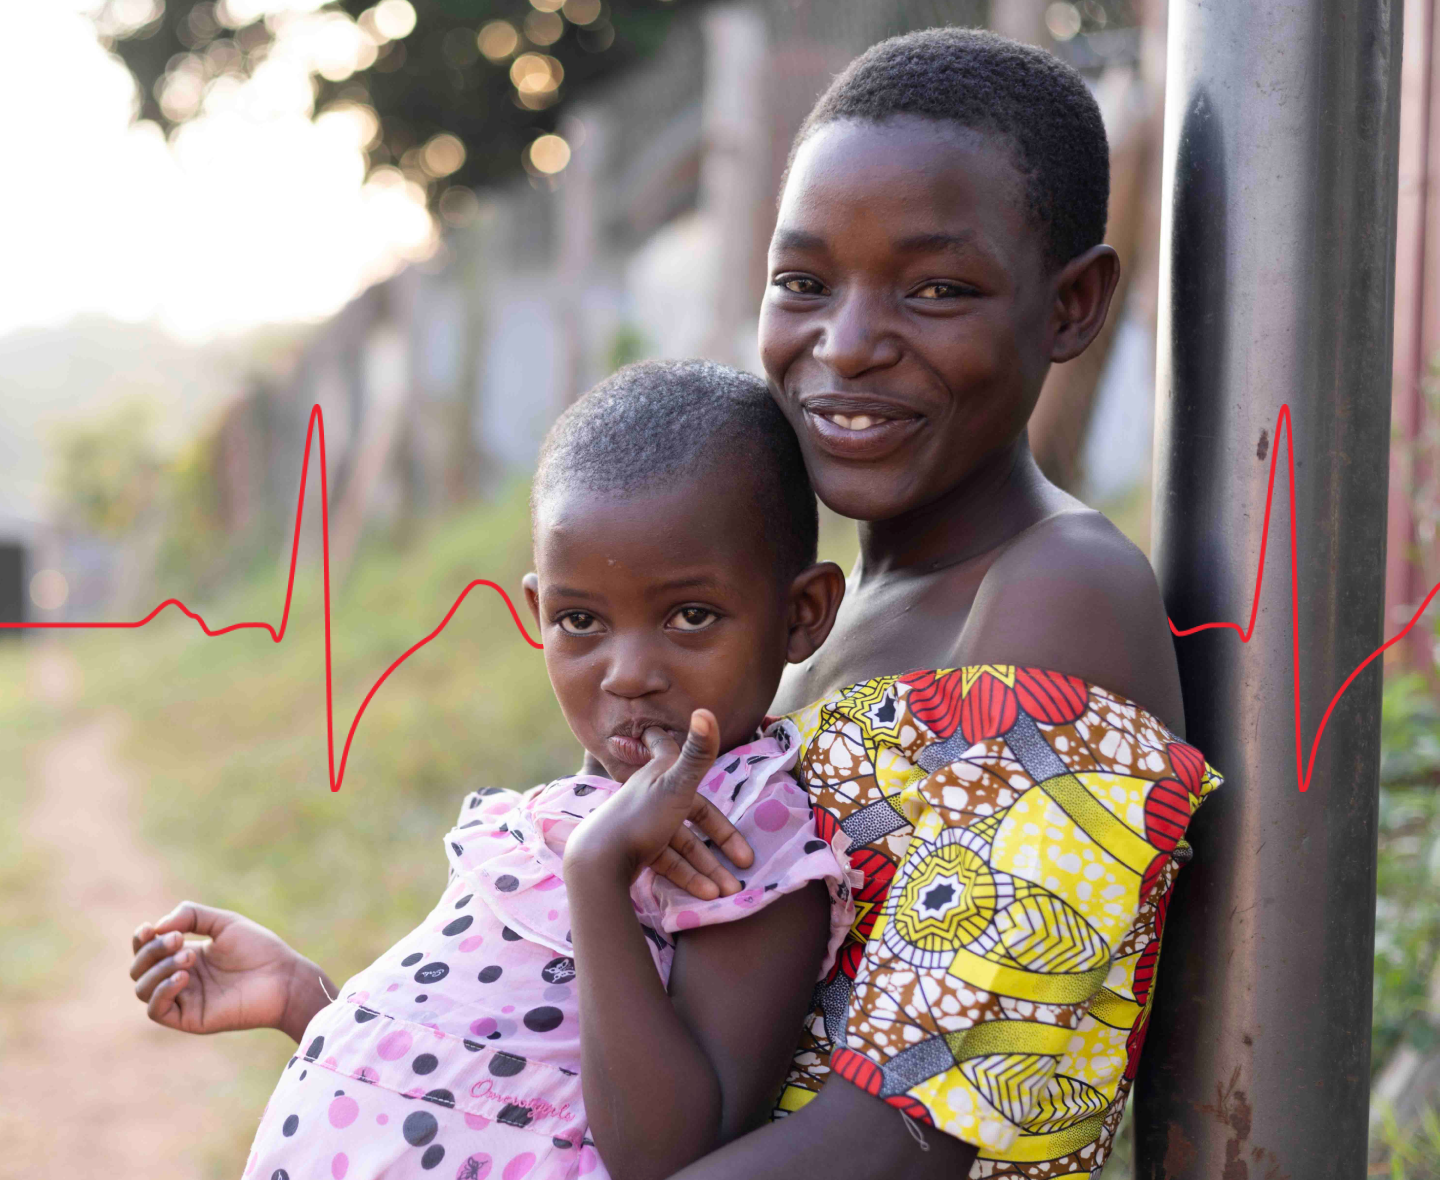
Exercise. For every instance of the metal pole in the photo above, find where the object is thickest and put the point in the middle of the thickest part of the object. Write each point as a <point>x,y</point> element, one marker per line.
<point>1277,248</point>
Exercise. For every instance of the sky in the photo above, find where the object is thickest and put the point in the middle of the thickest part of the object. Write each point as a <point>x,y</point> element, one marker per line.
<point>252,214</point>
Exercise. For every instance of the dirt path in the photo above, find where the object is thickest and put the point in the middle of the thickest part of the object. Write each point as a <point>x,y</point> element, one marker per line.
<point>89,1086</point>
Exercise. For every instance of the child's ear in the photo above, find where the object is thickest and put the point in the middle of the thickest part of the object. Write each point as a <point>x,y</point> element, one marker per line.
<point>815,596</point>
<point>531,583</point>
<point>1083,290</point>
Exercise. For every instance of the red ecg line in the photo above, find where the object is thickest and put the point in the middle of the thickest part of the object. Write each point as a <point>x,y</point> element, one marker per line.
<point>316,429</point>
<point>1302,775</point>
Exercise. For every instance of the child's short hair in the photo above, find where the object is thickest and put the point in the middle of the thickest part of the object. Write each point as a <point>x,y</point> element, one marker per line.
<point>655,421</point>
<point>980,80</point>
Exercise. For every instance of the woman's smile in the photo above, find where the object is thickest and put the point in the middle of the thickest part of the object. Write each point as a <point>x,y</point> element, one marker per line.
<point>848,426</point>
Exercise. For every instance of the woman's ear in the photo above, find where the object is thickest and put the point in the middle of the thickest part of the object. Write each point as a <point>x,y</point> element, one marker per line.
<point>531,583</point>
<point>815,596</point>
<point>1083,290</point>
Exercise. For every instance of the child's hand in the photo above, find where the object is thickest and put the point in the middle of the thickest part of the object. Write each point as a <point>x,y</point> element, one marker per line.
<point>244,977</point>
<point>644,822</point>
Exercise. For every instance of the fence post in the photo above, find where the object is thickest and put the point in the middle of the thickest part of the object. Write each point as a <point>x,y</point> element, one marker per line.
<point>1277,279</point>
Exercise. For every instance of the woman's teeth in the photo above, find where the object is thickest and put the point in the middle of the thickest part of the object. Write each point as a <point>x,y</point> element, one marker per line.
<point>854,421</point>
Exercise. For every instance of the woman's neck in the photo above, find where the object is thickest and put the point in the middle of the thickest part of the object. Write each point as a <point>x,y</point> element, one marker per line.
<point>1000,499</point>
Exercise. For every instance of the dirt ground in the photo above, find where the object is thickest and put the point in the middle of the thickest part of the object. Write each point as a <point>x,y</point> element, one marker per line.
<point>89,1087</point>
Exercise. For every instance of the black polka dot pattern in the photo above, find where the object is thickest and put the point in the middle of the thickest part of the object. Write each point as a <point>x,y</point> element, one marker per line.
<point>561,970</point>
<point>425,1063</point>
<point>290,1125</point>
<point>459,926</point>
<point>419,1128</point>
<point>506,883</point>
<point>543,1020</point>
<point>432,1157</point>
<point>411,960</point>
<point>506,1065</point>
<point>490,974</point>
<point>316,1046</point>
<point>432,973</point>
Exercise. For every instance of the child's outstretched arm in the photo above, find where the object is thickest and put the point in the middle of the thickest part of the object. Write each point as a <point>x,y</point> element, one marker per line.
<point>244,977</point>
<point>670,1077</point>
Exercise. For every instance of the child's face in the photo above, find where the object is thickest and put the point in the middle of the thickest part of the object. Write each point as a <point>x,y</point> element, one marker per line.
<point>654,605</point>
<point>906,329</point>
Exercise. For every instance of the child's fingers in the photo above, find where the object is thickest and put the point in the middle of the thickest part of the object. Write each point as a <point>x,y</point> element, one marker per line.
<point>694,853</point>
<point>154,950</point>
<point>164,997</point>
<point>143,934</point>
<point>192,918</point>
<point>672,866</point>
<point>165,969</point>
<point>706,816</point>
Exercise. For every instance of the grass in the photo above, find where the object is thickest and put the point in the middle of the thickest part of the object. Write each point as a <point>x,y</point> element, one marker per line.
<point>35,948</point>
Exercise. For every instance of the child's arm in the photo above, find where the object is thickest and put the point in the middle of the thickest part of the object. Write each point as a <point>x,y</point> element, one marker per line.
<point>244,977</point>
<point>668,1078</point>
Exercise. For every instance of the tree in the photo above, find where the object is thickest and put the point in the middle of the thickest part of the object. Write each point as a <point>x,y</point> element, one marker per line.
<point>459,88</point>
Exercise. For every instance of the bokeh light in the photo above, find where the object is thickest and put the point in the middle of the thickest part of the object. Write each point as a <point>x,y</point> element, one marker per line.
<point>443,155</point>
<point>582,12</point>
<point>549,154</point>
<point>394,19</point>
<point>547,5</point>
<point>498,40</point>
<point>49,590</point>
<point>1063,20</point>
<point>459,206</point>
<point>544,28</point>
<point>536,73</point>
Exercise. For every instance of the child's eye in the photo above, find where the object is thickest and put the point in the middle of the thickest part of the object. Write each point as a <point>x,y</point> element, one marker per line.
<point>692,618</point>
<point>579,622</point>
<point>801,285</point>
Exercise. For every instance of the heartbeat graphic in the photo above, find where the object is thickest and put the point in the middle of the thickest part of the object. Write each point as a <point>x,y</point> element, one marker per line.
<point>1303,769</point>
<point>316,432</point>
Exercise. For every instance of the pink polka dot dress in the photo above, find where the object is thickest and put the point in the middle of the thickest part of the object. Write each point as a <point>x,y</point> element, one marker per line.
<point>457,1053</point>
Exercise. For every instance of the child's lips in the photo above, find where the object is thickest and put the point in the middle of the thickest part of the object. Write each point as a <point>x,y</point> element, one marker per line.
<point>629,750</point>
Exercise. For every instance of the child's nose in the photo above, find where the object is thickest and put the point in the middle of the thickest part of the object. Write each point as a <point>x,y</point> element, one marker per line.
<point>855,337</point>
<point>634,671</point>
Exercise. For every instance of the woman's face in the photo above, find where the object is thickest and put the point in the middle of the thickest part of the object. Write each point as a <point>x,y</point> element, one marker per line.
<point>906,325</point>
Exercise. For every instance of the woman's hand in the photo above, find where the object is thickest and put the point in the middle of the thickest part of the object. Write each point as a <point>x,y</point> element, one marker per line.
<point>644,822</point>
<point>244,977</point>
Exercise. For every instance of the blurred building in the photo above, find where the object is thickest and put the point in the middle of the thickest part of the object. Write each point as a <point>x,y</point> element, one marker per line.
<point>649,242</point>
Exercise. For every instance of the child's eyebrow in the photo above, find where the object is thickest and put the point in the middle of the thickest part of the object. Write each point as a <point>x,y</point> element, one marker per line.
<point>932,242</point>
<point>572,592</point>
<point>695,580</point>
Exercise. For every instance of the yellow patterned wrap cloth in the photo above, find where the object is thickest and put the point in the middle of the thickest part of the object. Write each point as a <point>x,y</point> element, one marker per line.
<point>1020,832</point>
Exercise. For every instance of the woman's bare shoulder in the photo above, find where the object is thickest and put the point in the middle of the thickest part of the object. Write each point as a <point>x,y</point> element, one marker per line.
<point>1074,595</point>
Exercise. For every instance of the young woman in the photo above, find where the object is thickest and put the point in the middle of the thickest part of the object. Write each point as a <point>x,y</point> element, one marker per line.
<point>994,719</point>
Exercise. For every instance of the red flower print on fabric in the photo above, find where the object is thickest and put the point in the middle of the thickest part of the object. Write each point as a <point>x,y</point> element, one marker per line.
<point>1050,697</point>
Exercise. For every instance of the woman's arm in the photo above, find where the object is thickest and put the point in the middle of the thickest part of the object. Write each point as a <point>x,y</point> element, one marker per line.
<point>669,1078</point>
<point>843,1132</point>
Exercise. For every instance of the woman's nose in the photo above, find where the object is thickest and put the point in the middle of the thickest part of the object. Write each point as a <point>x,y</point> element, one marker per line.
<point>634,670</point>
<point>857,336</point>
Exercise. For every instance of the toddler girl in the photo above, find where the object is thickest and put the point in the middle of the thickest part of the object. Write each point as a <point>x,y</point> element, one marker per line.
<point>566,995</point>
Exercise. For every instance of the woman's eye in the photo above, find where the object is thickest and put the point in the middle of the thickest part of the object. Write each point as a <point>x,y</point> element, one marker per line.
<point>939,291</point>
<point>578,622</point>
<point>692,618</point>
<point>802,285</point>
